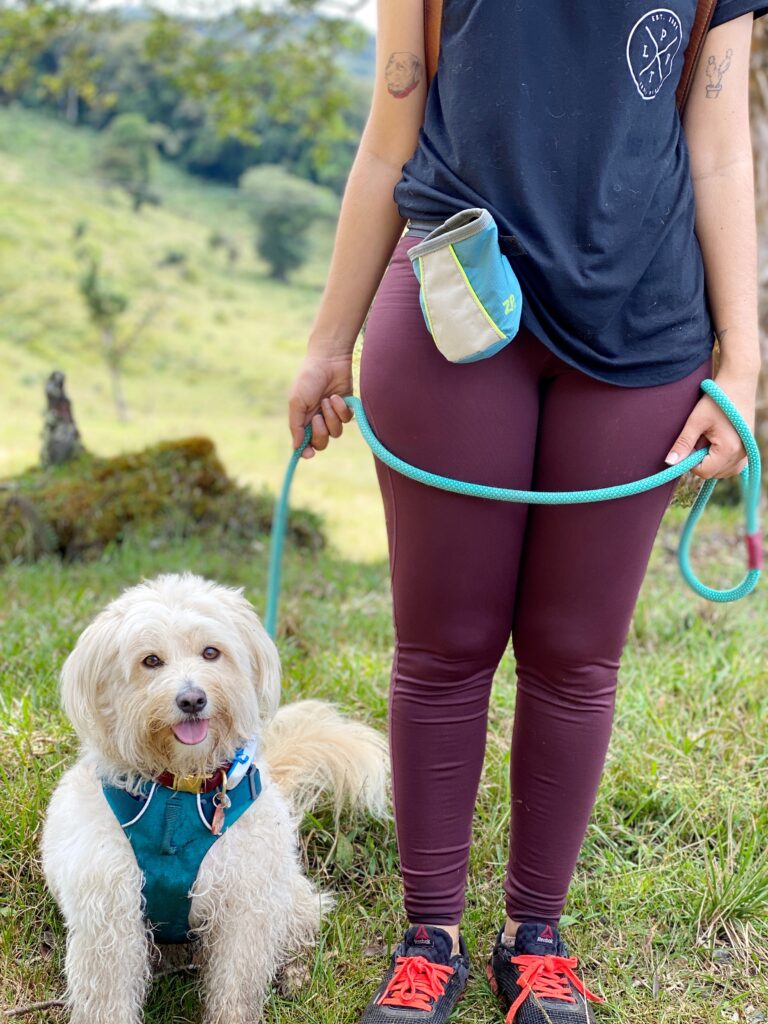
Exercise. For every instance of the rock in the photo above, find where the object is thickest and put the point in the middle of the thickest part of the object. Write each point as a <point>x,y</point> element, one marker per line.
<point>61,438</point>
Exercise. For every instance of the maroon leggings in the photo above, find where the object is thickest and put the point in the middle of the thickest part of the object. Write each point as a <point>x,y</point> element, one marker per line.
<point>466,572</point>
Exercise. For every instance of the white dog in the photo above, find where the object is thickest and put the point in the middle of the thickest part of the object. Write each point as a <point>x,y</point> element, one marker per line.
<point>174,686</point>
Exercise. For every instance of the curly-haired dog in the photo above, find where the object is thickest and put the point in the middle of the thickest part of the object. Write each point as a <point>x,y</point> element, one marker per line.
<point>179,818</point>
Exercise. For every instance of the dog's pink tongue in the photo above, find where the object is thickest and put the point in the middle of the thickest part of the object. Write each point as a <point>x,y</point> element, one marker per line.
<point>191,732</point>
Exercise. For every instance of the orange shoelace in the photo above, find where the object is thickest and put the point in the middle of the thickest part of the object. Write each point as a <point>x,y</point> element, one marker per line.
<point>416,983</point>
<point>548,977</point>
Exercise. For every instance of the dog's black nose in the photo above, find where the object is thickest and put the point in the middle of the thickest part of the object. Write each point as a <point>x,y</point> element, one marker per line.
<point>192,701</point>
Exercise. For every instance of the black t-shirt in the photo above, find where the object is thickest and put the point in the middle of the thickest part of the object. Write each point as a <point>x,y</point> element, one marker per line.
<point>561,120</point>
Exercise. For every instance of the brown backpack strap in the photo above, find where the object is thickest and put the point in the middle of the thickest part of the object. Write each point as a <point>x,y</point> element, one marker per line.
<point>433,13</point>
<point>433,16</point>
<point>704,11</point>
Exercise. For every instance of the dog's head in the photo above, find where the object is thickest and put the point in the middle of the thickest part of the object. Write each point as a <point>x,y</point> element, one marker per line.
<point>171,676</point>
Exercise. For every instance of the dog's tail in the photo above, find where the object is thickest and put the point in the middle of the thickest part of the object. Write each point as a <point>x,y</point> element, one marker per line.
<point>311,750</point>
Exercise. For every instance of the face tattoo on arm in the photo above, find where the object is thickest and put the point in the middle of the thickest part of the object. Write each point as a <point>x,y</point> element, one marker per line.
<point>715,74</point>
<point>403,73</point>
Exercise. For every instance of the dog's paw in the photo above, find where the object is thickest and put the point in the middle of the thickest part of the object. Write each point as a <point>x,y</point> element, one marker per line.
<point>293,976</point>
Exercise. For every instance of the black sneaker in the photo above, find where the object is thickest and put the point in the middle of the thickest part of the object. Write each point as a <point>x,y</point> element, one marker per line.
<point>423,982</point>
<point>536,981</point>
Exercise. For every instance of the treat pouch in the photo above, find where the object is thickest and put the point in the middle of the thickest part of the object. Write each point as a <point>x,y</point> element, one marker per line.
<point>469,294</point>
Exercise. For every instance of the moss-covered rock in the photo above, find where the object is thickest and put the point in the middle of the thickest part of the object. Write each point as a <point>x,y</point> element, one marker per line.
<point>176,488</point>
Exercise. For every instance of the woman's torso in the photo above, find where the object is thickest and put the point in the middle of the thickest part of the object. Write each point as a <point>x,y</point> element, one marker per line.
<point>561,119</point>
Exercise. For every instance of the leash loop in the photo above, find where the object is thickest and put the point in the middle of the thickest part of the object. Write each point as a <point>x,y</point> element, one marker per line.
<point>749,479</point>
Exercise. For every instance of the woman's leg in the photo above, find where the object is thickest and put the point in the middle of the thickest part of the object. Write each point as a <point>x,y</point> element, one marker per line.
<point>453,562</point>
<point>581,572</point>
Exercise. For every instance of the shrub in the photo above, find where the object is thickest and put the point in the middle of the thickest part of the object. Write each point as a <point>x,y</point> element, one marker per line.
<point>126,157</point>
<point>283,207</point>
<point>176,488</point>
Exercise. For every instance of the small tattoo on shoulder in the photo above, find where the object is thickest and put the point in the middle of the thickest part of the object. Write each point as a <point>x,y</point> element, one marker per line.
<point>403,73</point>
<point>715,74</point>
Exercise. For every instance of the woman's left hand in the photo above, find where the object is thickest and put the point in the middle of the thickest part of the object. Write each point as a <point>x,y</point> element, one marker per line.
<point>727,456</point>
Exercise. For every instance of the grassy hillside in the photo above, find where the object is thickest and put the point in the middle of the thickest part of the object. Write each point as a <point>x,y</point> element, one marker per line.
<point>217,359</point>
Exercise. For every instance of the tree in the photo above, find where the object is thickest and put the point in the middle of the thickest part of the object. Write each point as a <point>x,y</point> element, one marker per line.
<point>106,305</point>
<point>264,61</point>
<point>48,52</point>
<point>126,156</point>
<point>283,207</point>
<point>26,29</point>
<point>76,77</point>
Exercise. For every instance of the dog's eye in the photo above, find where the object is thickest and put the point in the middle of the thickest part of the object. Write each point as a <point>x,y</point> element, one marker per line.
<point>152,661</point>
<point>211,653</point>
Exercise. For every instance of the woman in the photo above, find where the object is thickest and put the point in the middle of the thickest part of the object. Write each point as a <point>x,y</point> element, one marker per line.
<point>561,120</point>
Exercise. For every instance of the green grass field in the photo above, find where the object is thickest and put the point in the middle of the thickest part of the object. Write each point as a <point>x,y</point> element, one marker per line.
<point>668,910</point>
<point>669,906</point>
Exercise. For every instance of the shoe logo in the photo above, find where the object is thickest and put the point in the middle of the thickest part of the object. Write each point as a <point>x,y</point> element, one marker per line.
<point>422,936</point>
<point>547,935</point>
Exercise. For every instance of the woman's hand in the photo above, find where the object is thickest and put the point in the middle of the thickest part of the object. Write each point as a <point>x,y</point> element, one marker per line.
<point>727,456</point>
<point>316,396</point>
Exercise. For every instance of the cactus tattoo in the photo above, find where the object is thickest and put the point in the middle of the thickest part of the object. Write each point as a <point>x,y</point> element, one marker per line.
<point>715,74</point>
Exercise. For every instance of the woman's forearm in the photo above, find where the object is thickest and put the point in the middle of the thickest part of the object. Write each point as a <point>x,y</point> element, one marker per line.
<point>727,232</point>
<point>367,232</point>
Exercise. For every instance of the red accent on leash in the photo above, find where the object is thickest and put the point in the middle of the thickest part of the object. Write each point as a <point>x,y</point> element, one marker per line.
<point>754,550</point>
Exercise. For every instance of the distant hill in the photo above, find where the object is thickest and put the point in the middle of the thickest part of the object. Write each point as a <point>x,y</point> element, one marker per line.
<point>219,355</point>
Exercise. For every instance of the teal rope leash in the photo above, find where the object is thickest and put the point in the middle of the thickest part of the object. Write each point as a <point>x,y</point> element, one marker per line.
<point>750,478</point>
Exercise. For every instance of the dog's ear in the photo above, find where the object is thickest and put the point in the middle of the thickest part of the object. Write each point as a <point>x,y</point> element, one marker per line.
<point>262,652</point>
<point>86,671</point>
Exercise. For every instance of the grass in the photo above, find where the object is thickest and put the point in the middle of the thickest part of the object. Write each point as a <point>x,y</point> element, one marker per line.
<point>668,910</point>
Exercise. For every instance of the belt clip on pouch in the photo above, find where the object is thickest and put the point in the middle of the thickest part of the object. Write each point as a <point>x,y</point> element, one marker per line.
<point>468,292</point>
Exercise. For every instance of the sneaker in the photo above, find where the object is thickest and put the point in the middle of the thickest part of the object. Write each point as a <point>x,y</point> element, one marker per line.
<point>423,982</point>
<point>536,981</point>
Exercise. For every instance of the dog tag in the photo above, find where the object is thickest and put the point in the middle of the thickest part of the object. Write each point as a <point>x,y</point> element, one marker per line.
<point>221,802</point>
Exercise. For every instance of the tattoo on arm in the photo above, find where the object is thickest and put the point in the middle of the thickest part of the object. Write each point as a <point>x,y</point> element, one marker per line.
<point>715,74</point>
<point>403,73</point>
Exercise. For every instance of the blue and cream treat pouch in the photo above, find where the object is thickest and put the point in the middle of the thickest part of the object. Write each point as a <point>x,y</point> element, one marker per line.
<point>469,294</point>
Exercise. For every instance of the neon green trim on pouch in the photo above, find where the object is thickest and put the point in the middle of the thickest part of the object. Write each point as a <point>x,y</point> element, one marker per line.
<point>483,310</point>
<point>424,296</point>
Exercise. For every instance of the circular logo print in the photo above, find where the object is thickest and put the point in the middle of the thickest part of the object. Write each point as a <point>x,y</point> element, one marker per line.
<point>651,49</point>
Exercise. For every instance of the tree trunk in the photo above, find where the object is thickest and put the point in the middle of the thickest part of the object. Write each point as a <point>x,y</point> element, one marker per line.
<point>113,361</point>
<point>72,111</point>
<point>61,438</point>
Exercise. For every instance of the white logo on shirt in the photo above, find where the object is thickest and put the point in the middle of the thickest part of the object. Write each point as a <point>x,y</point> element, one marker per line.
<point>651,48</point>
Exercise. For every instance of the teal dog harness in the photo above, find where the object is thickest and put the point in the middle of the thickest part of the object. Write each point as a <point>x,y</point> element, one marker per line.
<point>171,831</point>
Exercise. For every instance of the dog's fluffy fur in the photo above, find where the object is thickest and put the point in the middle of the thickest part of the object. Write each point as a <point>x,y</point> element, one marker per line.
<point>252,907</point>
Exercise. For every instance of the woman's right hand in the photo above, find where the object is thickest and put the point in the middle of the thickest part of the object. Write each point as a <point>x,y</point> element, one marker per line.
<point>316,396</point>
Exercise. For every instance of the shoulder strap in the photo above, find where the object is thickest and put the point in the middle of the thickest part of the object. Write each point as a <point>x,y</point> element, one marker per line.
<point>433,13</point>
<point>433,16</point>
<point>704,11</point>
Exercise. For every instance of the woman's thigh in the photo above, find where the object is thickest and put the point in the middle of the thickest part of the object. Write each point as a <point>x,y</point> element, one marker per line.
<point>583,565</point>
<point>453,558</point>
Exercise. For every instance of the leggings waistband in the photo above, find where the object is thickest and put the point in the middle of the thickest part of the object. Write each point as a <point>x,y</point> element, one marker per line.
<point>421,228</point>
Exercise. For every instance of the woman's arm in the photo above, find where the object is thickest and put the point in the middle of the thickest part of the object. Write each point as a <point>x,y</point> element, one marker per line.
<point>369,223</point>
<point>716,125</point>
